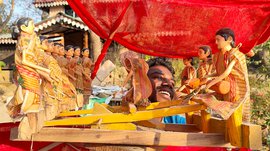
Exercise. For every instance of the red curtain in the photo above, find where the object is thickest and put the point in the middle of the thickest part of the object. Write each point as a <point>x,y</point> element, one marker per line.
<point>174,28</point>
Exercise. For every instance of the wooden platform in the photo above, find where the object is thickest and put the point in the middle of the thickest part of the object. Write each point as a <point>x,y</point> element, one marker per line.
<point>125,137</point>
<point>103,127</point>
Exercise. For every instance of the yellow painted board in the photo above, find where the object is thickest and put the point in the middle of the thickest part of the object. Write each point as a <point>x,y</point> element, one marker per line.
<point>122,118</point>
<point>118,109</point>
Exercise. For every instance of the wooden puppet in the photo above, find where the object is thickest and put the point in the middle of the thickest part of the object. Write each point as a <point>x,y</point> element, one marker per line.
<point>70,65</point>
<point>55,51</point>
<point>87,68</point>
<point>76,62</point>
<point>141,87</point>
<point>230,66</point>
<point>28,98</point>
<point>205,66</point>
<point>187,76</point>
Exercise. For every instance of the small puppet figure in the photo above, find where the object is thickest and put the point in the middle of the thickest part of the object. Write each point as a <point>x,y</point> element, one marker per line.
<point>62,61</point>
<point>70,66</point>
<point>76,62</point>
<point>187,76</point>
<point>141,87</point>
<point>87,68</point>
<point>50,48</point>
<point>205,66</point>
<point>55,52</point>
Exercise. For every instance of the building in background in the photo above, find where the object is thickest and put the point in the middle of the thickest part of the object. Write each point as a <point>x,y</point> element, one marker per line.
<point>59,23</point>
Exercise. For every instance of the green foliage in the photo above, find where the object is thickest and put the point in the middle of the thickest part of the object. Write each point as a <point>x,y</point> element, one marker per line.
<point>260,89</point>
<point>178,67</point>
<point>260,63</point>
<point>2,64</point>
<point>260,97</point>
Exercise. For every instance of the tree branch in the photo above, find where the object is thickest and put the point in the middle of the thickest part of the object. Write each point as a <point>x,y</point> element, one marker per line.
<point>4,23</point>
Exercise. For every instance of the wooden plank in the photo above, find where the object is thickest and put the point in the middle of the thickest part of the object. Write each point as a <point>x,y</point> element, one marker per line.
<point>115,126</point>
<point>145,138</point>
<point>99,147</point>
<point>118,109</point>
<point>205,116</point>
<point>154,123</point>
<point>252,136</point>
<point>189,117</point>
<point>169,127</point>
<point>159,105</point>
<point>123,118</point>
<point>181,128</point>
<point>216,125</point>
<point>75,113</point>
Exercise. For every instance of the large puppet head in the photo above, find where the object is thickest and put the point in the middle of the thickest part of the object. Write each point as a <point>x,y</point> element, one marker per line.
<point>225,37</point>
<point>25,25</point>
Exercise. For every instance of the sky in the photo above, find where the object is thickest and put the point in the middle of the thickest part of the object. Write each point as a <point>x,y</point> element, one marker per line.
<point>24,8</point>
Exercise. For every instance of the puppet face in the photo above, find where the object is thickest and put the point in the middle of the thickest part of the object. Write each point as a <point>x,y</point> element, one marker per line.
<point>162,84</point>
<point>85,53</point>
<point>202,55</point>
<point>45,45</point>
<point>50,47</point>
<point>70,52</point>
<point>61,51</point>
<point>29,28</point>
<point>77,52</point>
<point>56,50</point>
<point>222,43</point>
<point>187,61</point>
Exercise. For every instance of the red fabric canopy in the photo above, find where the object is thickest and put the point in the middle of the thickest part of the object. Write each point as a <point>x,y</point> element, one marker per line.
<point>174,28</point>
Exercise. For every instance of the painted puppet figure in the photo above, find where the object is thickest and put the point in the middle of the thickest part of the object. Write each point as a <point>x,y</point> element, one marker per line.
<point>76,62</point>
<point>28,98</point>
<point>87,68</point>
<point>187,75</point>
<point>230,66</point>
<point>141,87</point>
<point>70,65</point>
<point>55,52</point>
<point>205,66</point>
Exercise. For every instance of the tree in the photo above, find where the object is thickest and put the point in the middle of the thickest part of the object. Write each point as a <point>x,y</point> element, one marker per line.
<point>260,63</point>
<point>4,15</point>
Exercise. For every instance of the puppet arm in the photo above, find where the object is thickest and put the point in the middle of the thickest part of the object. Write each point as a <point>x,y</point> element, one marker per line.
<point>222,76</point>
<point>29,64</point>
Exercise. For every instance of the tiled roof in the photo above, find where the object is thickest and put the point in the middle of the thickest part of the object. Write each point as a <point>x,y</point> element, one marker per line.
<point>6,39</point>
<point>49,3</point>
<point>61,18</point>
